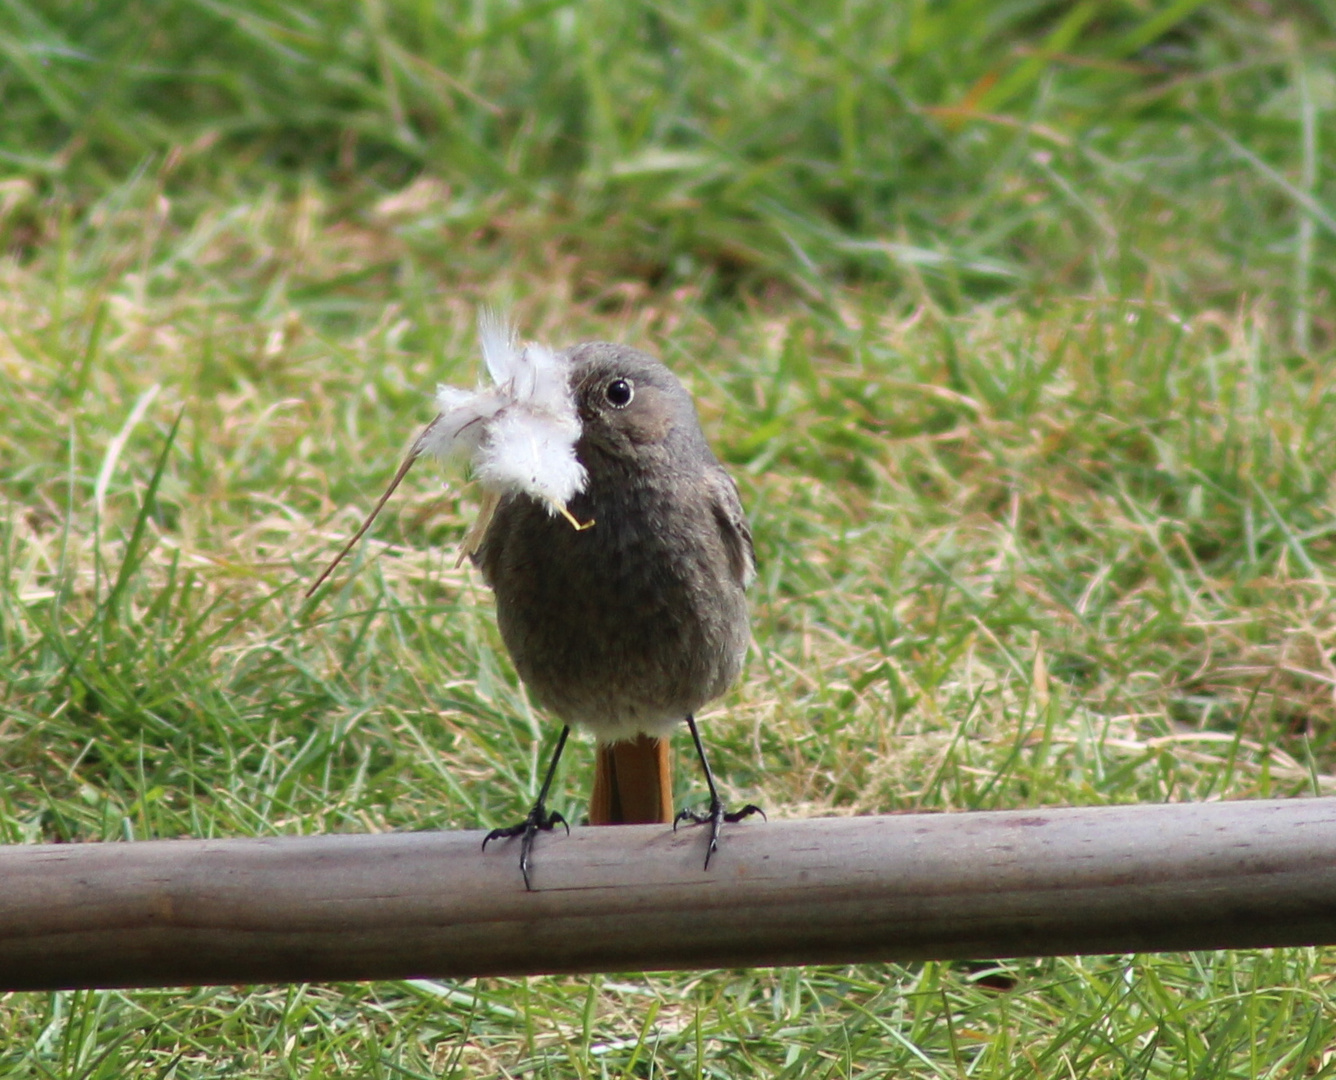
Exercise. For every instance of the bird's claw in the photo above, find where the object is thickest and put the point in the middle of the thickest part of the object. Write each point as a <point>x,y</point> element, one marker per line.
<point>539,818</point>
<point>716,815</point>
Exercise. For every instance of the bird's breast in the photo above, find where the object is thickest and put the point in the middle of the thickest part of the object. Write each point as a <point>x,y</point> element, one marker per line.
<point>623,627</point>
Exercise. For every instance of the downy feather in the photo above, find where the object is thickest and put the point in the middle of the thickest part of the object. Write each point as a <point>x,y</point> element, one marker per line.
<point>518,434</point>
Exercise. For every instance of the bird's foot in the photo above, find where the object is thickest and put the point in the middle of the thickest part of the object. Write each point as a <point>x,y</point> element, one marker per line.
<point>539,818</point>
<point>716,815</point>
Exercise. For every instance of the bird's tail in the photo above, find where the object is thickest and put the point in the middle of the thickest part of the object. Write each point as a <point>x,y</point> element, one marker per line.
<point>633,783</point>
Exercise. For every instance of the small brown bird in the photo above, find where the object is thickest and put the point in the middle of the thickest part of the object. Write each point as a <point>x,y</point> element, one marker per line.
<point>627,627</point>
<point>619,554</point>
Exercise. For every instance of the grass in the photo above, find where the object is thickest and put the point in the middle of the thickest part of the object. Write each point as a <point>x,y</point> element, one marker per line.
<point>1012,321</point>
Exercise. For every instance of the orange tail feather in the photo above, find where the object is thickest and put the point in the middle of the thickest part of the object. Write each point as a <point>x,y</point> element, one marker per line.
<point>633,783</point>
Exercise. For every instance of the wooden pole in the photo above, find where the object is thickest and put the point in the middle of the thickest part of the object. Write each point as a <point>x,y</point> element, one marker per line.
<point>831,890</point>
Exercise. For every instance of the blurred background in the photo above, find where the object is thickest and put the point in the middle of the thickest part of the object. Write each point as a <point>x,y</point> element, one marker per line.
<point>971,149</point>
<point>1013,320</point>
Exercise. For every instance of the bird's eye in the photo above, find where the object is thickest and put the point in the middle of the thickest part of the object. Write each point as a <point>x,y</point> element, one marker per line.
<point>619,393</point>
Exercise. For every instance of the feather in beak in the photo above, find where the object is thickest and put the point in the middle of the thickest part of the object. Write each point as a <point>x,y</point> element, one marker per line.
<point>517,434</point>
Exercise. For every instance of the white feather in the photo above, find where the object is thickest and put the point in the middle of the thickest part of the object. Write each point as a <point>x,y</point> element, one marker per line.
<point>458,431</point>
<point>518,434</point>
<point>497,338</point>
<point>548,378</point>
<point>531,453</point>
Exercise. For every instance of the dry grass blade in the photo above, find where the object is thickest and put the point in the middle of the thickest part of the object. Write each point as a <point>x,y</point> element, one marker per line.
<point>400,473</point>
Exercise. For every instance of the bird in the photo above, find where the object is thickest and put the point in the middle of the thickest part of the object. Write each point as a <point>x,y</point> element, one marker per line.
<point>619,555</point>
<point>627,625</point>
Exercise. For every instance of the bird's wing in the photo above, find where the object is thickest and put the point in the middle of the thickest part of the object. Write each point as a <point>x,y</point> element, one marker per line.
<point>733,528</point>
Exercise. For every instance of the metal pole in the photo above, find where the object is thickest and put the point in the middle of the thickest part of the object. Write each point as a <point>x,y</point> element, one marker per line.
<point>831,890</point>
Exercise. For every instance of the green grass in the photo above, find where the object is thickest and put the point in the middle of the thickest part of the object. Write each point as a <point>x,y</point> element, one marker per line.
<point>1013,322</point>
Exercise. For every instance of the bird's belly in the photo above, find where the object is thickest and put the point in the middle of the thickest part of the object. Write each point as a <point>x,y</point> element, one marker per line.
<point>621,646</point>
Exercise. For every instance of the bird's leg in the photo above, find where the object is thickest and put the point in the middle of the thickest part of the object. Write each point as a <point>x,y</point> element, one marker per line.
<point>539,817</point>
<point>715,814</point>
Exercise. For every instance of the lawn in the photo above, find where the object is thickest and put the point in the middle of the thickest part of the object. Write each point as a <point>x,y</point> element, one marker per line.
<point>1013,321</point>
